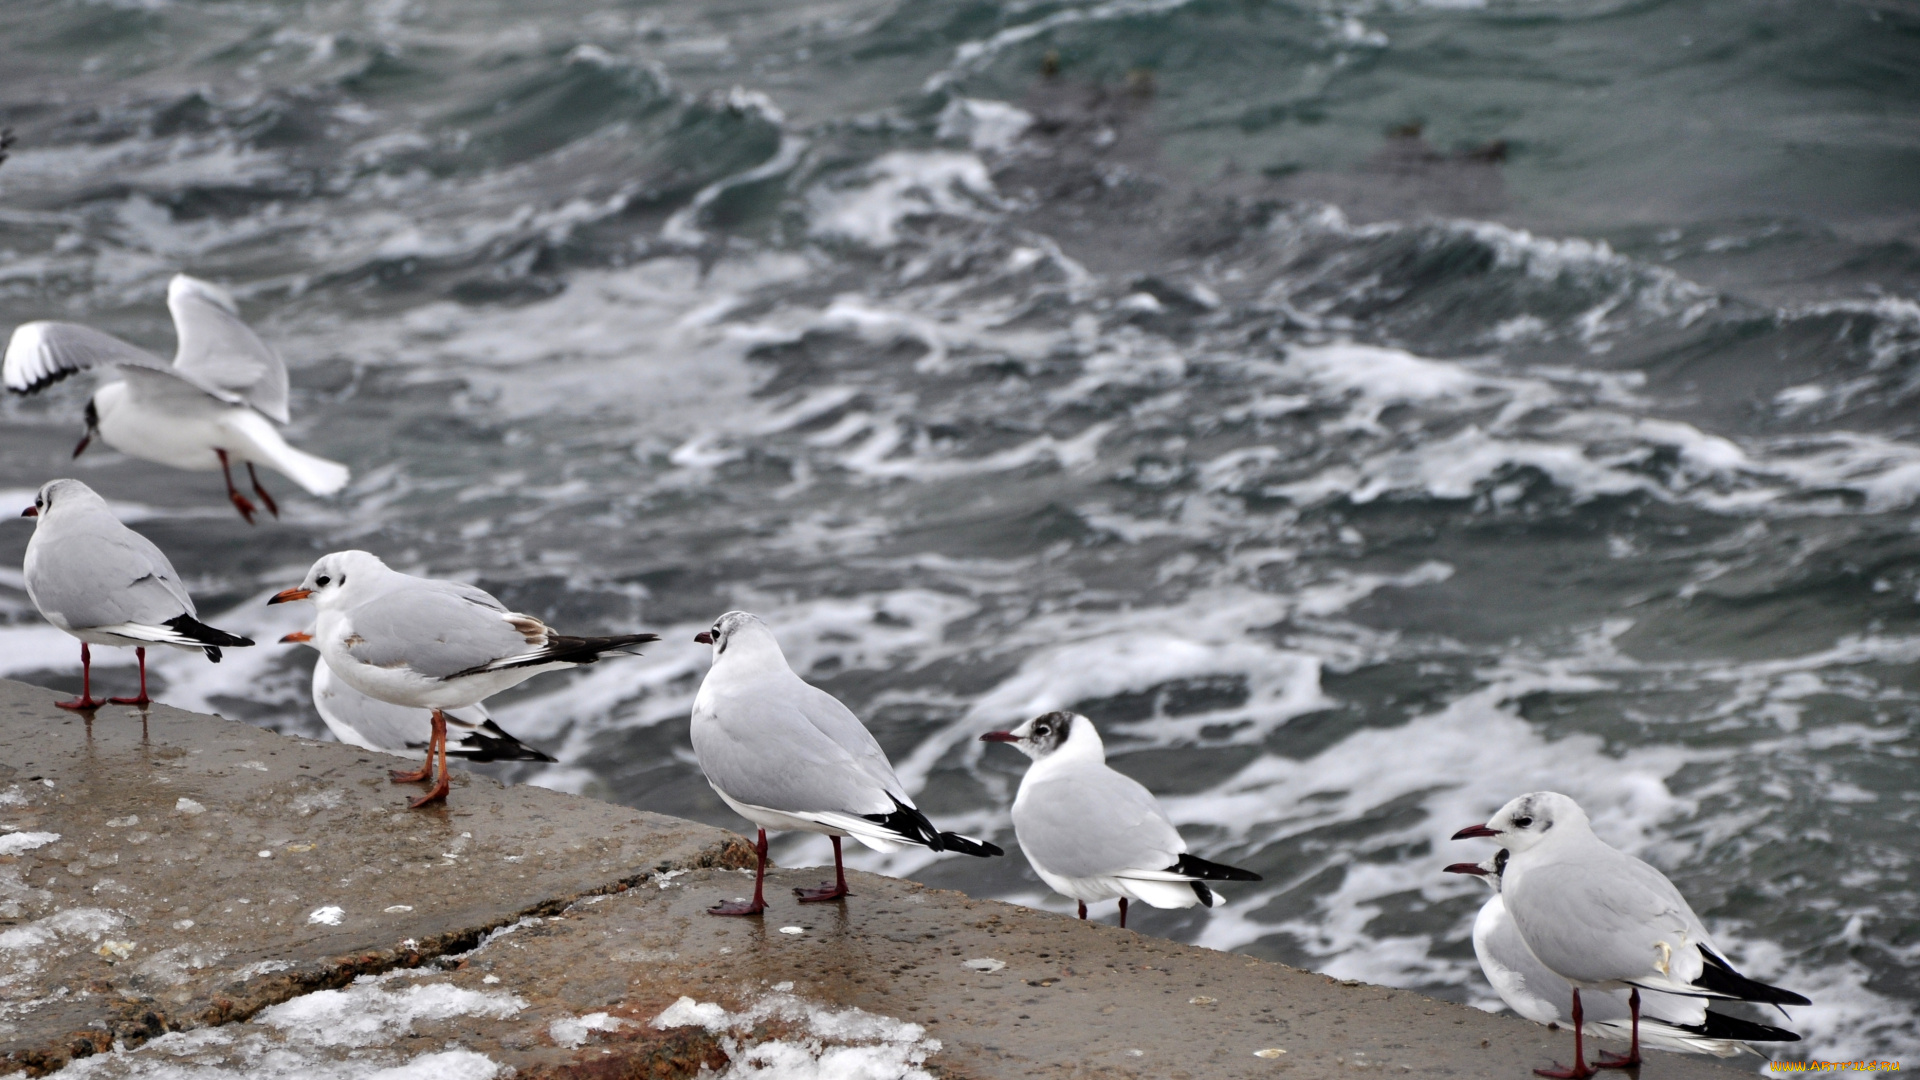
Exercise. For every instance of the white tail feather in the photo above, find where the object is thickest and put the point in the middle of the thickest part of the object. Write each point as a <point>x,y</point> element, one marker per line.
<point>318,475</point>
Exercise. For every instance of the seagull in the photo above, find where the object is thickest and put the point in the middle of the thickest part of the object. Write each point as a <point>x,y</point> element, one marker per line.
<point>372,724</point>
<point>1092,833</point>
<point>428,644</point>
<point>1604,920</point>
<point>789,756</point>
<point>1668,1022</point>
<point>213,407</point>
<point>107,585</point>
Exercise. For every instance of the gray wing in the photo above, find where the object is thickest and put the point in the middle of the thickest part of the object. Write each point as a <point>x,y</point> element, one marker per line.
<point>1598,915</point>
<point>95,571</point>
<point>757,744</point>
<point>837,722</point>
<point>42,353</point>
<point>436,628</point>
<point>1092,822</point>
<point>217,349</point>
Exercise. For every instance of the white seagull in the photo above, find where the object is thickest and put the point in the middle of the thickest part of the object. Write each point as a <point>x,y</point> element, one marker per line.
<point>213,407</point>
<point>107,585</point>
<point>789,756</point>
<point>430,644</point>
<point>372,724</point>
<point>1604,920</point>
<point>1667,1021</point>
<point>1093,833</point>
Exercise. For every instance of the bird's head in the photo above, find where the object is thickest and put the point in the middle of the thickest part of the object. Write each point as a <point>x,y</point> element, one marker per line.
<point>1528,820</point>
<point>326,583</point>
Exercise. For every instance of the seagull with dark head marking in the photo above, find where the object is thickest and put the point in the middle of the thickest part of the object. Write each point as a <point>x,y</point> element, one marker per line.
<point>213,407</point>
<point>1673,1022</point>
<point>107,585</point>
<point>1094,834</point>
<point>1604,920</point>
<point>787,755</point>
<point>429,644</point>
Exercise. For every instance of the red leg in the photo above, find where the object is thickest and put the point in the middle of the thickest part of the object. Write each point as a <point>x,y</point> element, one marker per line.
<point>758,904</point>
<point>265,499</point>
<point>143,700</point>
<point>1579,1071</point>
<point>86,700</point>
<point>826,891</point>
<point>1632,1060</point>
<point>438,793</point>
<point>1123,913</point>
<point>1083,909</point>
<point>424,772</point>
<point>240,502</point>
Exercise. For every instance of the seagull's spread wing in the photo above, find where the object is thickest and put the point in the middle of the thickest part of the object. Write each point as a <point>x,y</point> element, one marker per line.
<point>435,629</point>
<point>42,353</point>
<point>217,349</point>
<point>1094,822</point>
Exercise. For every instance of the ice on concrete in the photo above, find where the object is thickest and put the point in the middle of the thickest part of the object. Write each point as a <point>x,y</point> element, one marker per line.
<point>17,843</point>
<point>344,1034</point>
<point>838,1044</point>
<point>572,1031</point>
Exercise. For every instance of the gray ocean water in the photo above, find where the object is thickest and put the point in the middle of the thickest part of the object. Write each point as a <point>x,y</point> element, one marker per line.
<point>1364,410</point>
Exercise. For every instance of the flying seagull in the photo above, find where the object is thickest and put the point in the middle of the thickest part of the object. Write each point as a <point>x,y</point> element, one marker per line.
<point>1092,833</point>
<point>789,756</point>
<point>214,406</point>
<point>107,585</point>
<point>1604,920</point>
<point>429,644</point>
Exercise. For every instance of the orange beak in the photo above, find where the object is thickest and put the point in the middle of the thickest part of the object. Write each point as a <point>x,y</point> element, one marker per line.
<point>298,637</point>
<point>287,596</point>
<point>31,511</point>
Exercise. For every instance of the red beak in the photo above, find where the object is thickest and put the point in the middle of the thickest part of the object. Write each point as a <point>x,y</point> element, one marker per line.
<point>1474,831</point>
<point>704,637</point>
<point>1468,868</point>
<point>31,511</point>
<point>999,736</point>
<point>298,637</point>
<point>287,596</point>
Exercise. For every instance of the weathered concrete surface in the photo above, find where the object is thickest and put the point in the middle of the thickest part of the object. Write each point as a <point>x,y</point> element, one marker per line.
<point>1074,999</point>
<point>149,915</point>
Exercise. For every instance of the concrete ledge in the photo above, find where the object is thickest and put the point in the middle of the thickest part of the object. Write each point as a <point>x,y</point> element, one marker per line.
<point>194,854</point>
<point>557,931</point>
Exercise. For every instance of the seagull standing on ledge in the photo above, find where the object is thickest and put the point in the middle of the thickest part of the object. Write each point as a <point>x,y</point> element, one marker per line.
<point>1667,1021</point>
<point>107,585</point>
<point>372,724</point>
<point>1092,833</point>
<point>789,756</point>
<point>430,644</point>
<point>1603,920</point>
<point>213,407</point>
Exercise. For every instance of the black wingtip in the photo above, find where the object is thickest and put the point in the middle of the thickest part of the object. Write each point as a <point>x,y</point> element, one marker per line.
<point>1196,867</point>
<point>189,627</point>
<point>1722,1026</point>
<point>1205,894</point>
<point>1719,977</point>
<point>967,845</point>
<point>490,743</point>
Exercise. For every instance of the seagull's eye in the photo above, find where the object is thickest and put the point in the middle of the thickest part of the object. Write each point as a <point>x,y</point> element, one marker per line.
<point>1043,730</point>
<point>1522,822</point>
<point>322,580</point>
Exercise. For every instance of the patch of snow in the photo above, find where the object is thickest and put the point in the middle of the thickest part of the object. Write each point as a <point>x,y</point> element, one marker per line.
<point>571,1032</point>
<point>839,1044</point>
<point>18,842</point>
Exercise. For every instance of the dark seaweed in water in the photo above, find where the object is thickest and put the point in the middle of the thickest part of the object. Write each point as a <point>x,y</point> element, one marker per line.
<point>1364,414</point>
